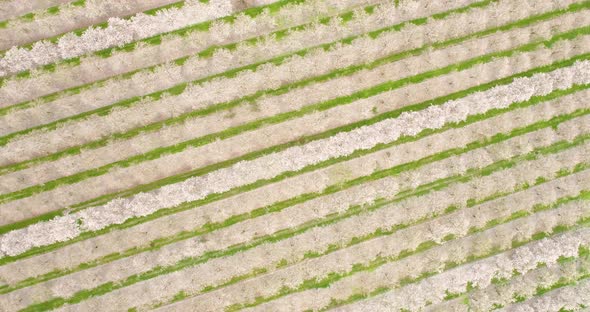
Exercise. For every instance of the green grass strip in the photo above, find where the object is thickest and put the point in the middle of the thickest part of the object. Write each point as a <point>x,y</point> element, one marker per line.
<point>332,277</point>
<point>280,35</point>
<point>214,197</point>
<point>581,274</point>
<point>179,88</point>
<point>380,232</point>
<point>204,54</point>
<point>137,159</point>
<point>29,17</point>
<point>231,104</point>
<point>210,227</point>
<point>228,105</point>
<point>387,86</point>
<point>286,233</point>
<point>502,282</point>
<point>203,26</point>
<point>54,10</point>
<point>582,223</point>
<point>161,151</point>
<point>559,284</point>
<point>156,39</point>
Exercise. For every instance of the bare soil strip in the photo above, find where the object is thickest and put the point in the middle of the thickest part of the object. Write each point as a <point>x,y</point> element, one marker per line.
<point>283,220</point>
<point>505,289</point>
<point>202,22</point>
<point>573,297</point>
<point>480,280</point>
<point>191,220</point>
<point>388,273</point>
<point>61,196</point>
<point>265,107</point>
<point>68,18</point>
<point>14,8</point>
<point>86,222</point>
<point>147,113</point>
<point>198,68</point>
<point>295,155</point>
<point>195,62</point>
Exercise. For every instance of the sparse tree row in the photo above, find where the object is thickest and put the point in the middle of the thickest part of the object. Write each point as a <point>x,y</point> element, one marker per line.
<point>295,155</point>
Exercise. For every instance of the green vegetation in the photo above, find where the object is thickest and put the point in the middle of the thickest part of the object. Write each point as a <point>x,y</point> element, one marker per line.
<point>203,26</point>
<point>283,234</point>
<point>183,32</point>
<point>270,120</point>
<point>395,228</point>
<point>409,280</point>
<point>304,197</point>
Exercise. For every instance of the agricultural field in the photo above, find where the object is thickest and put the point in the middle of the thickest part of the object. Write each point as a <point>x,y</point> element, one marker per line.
<point>295,155</point>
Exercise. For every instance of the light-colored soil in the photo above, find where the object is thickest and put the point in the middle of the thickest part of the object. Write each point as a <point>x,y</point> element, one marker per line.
<point>141,235</point>
<point>521,286</point>
<point>437,164</point>
<point>265,107</point>
<point>299,214</point>
<point>71,18</point>
<point>168,74</point>
<point>121,32</point>
<point>14,8</point>
<point>194,68</point>
<point>573,297</point>
<point>480,274</point>
<point>321,239</point>
<point>389,273</point>
<point>271,77</point>
<point>239,170</point>
<point>149,205</point>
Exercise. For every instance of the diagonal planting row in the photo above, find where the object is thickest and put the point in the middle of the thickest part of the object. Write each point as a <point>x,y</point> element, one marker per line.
<point>290,215</point>
<point>12,180</point>
<point>155,114</point>
<point>16,272</point>
<point>56,20</point>
<point>340,173</point>
<point>227,272</point>
<point>373,227</point>
<point>513,284</point>
<point>135,278</point>
<point>233,58</point>
<point>56,224</point>
<point>203,25</point>
<point>51,186</point>
<point>382,265</point>
<point>188,129</point>
<point>286,153</point>
<point>473,277</point>
<point>198,63</point>
<point>291,281</point>
<point>185,101</point>
<point>362,176</point>
<point>517,287</point>
<point>444,166</point>
<point>115,32</point>
<point>13,272</point>
<point>14,8</point>
<point>574,298</point>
